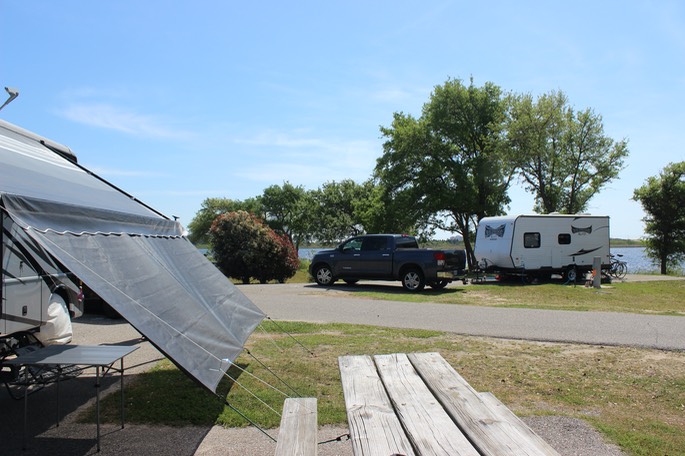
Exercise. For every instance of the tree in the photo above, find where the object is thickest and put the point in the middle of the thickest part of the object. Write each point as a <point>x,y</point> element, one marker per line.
<point>377,213</point>
<point>449,168</point>
<point>213,207</point>
<point>288,210</point>
<point>334,209</point>
<point>564,158</point>
<point>244,248</point>
<point>663,199</point>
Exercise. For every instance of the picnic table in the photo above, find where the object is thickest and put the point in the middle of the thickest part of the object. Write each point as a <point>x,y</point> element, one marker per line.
<point>417,404</point>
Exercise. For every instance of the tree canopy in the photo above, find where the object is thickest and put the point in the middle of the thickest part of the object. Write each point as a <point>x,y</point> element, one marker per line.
<point>663,199</point>
<point>213,207</point>
<point>287,210</point>
<point>449,168</point>
<point>563,156</point>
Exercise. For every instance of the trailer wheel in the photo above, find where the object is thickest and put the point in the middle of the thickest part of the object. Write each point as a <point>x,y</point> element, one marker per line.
<point>571,274</point>
<point>413,280</point>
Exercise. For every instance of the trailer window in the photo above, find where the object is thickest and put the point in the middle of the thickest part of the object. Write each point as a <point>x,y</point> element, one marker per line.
<point>531,240</point>
<point>564,238</point>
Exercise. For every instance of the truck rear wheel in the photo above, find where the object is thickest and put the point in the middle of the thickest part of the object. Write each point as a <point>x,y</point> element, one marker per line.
<point>324,275</point>
<point>413,280</point>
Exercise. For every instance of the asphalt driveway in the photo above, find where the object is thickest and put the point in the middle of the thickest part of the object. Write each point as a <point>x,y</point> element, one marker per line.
<point>310,302</point>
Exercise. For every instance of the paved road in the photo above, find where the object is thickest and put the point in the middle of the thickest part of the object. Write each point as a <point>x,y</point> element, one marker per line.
<point>308,302</point>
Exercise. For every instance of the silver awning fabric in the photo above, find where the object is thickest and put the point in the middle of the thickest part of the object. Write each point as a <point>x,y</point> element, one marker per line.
<point>132,257</point>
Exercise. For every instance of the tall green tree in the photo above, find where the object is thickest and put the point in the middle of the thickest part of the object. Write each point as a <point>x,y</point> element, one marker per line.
<point>287,209</point>
<point>335,211</point>
<point>377,213</point>
<point>564,157</point>
<point>213,207</point>
<point>663,199</point>
<point>450,167</point>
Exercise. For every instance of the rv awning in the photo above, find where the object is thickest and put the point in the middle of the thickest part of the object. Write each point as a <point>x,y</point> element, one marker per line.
<point>132,257</point>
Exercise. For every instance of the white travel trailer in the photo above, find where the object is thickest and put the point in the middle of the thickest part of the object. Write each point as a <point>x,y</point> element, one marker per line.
<point>537,246</point>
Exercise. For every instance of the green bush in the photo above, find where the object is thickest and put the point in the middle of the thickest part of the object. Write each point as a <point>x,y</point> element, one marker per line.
<point>245,247</point>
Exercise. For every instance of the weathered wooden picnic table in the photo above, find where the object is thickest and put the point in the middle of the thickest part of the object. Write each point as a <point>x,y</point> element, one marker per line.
<point>417,404</point>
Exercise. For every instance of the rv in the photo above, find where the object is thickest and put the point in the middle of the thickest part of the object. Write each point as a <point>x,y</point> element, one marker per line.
<point>63,226</point>
<point>537,246</point>
<point>38,297</point>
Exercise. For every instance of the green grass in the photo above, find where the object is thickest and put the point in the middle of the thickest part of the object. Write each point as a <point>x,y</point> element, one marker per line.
<point>634,396</point>
<point>658,297</point>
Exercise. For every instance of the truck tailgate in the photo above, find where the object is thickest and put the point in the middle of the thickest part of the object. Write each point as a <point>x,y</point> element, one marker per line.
<point>455,259</point>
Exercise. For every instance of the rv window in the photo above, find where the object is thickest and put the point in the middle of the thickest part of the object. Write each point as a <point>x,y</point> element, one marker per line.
<point>531,240</point>
<point>564,238</point>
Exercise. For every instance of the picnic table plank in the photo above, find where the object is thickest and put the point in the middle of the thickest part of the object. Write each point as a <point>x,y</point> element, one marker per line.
<point>375,430</point>
<point>526,432</point>
<point>491,429</point>
<point>298,431</point>
<point>429,427</point>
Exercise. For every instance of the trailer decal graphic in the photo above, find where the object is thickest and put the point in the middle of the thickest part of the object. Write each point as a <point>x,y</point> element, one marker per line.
<point>587,230</point>
<point>499,231</point>
<point>585,252</point>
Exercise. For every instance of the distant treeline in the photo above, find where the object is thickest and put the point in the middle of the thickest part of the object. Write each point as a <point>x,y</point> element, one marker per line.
<point>617,242</point>
<point>447,244</point>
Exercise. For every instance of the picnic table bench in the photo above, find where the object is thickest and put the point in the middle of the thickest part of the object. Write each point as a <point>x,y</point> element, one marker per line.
<point>417,404</point>
<point>298,432</point>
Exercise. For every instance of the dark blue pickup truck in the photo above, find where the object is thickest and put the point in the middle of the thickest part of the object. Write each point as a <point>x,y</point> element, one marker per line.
<point>388,257</point>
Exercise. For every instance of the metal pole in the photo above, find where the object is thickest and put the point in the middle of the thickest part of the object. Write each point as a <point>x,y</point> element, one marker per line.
<point>59,374</point>
<point>122,391</point>
<point>97,403</point>
<point>2,260</point>
<point>26,402</point>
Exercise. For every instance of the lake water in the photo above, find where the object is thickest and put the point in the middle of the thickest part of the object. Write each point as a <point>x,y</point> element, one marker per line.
<point>637,260</point>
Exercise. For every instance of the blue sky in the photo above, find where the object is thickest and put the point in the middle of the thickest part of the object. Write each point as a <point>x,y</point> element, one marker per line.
<point>177,101</point>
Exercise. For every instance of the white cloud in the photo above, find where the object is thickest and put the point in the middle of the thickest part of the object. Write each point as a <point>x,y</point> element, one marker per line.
<point>308,161</point>
<point>110,117</point>
<point>111,172</point>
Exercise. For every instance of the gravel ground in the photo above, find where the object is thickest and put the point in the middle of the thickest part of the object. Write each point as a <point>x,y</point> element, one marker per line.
<point>569,436</point>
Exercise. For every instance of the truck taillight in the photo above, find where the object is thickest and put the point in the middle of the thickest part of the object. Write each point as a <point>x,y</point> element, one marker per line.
<point>440,258</point>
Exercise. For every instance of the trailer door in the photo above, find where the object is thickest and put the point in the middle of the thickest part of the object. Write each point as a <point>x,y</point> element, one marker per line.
<point>22,286</point>
<point>560,251</point>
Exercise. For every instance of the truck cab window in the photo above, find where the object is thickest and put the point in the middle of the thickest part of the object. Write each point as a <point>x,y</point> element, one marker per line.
<point>564,238</point>
<point>406,243</point>
<point>531,240</point>
<point>375,243</point>
<point>353,245</point>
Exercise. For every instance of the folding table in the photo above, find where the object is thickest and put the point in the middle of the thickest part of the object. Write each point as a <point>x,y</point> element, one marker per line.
<point>97,356</point>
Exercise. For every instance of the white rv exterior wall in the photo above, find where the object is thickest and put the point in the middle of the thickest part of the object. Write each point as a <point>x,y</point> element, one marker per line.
<point>564,241</point>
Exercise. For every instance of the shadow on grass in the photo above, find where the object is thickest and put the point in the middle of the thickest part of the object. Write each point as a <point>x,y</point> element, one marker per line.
<point>167,396</point>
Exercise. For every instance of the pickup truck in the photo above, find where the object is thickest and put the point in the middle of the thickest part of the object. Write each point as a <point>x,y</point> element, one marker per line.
<point>388,257</point>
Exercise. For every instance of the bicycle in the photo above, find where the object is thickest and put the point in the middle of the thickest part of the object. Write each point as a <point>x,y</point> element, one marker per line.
<point>619,268</point>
